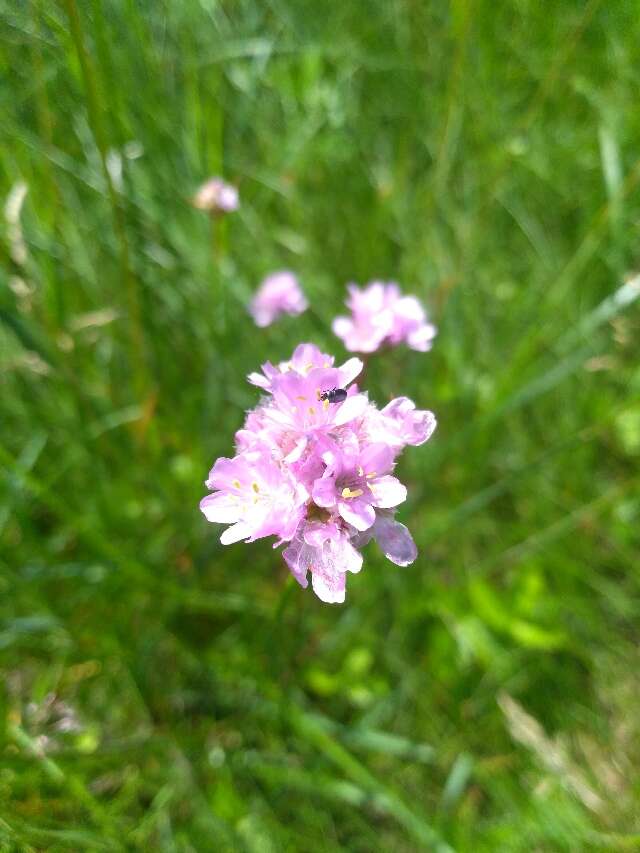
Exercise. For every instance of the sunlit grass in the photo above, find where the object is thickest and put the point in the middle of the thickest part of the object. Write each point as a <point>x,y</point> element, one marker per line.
<point>160,692</point>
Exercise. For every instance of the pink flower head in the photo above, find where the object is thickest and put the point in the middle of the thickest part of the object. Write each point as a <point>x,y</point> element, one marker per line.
<point>315,471</point>
<point>380,314</point>
<point>279,293</point>
<point>216,197</point>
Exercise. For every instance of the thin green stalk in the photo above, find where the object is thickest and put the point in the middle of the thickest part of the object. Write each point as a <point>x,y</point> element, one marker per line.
<point>218,252</point>
<point>96,121</point>
<point>214,140</point>
<point>44,118</point>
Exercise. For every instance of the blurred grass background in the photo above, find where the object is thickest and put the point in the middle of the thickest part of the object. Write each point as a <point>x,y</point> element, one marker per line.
<point>158,693</point>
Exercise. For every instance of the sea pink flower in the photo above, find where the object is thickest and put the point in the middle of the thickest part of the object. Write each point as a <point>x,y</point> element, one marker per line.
<point>356,481</point>
<point>317,474</point>
<point>380,314</point>
<point>254,495</point>
<point>216,197</point>
<point>326,552</point>
<point>280,293</point>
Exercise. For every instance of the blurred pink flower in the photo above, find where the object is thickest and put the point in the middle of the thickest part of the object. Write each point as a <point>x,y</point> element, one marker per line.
<point>216,197</point>
<point>318,474</point>
<point>380,314</point>
<point>279,293</point>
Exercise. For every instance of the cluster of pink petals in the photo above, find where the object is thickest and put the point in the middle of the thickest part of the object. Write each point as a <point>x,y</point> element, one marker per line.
<point>279,293</point>
<point>381,314</point>
<point>216,197</point>
<point>318,474</point>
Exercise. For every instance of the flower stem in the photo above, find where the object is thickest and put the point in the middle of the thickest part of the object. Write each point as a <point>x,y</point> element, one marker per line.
<point>98,129</point>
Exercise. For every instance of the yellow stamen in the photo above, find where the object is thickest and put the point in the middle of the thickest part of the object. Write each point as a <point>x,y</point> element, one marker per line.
<point>301,398</point>
<point>237,484</point>
<point>371,475</point>
<point>255,487</point>
<point>347,493</point>
<point>325,404</point>
<point>312,410</point>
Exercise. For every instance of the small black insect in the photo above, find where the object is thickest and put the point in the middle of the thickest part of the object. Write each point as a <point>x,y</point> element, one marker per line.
<point>336,395</point>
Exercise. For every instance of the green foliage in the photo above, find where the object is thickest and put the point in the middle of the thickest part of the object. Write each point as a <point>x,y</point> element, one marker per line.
<point>161,692</point>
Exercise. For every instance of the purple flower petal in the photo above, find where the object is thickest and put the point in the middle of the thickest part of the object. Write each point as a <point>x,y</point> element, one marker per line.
<point>395,541</point>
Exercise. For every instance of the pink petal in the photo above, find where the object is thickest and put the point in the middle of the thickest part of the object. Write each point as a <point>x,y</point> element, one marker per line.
<point>236,533</point>
<point>422,339</point>
<point>297,451</point>
<point>398,407</point>
<point>359,514</point>
<point>349,370</point>
<point>342,327</point>
<point>259,380</point>
<point>344,556</point>
<point>352,408</point>
<point>220,508</point>
<point>296,557</point>
<point>309,354</point>
<point>316,533</point>
<point>329,587</point>
<point>423,427</point>
<point>376,458</point>
<point>324,492</point>
<point>388,491</point>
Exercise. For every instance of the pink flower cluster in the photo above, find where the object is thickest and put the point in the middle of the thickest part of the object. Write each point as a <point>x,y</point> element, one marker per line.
<point>316,471</point>
<point>279,293</point>
<point>381,314</point>
<point>217,197</point>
